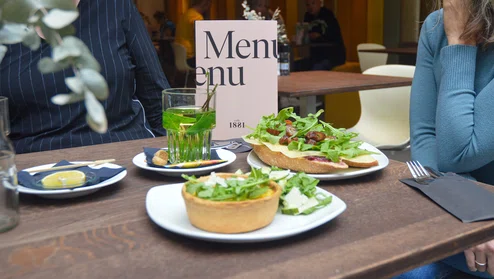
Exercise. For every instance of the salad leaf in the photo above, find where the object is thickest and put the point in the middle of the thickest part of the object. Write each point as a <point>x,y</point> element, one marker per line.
<point>306,184</point>
<point>323,201</point>
<point>300,145</point>
<point>305,125</point>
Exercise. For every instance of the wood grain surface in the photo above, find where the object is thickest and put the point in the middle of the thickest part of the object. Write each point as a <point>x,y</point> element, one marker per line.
<point>312,83</point>
<point>387,228</point>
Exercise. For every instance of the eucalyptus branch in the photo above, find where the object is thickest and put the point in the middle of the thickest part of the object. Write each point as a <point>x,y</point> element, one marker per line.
<point>55,18</point>
<point>60,41</point>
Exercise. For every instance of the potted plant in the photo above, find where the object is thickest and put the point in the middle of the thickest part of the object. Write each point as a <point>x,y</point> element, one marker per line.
<point>19,22</point>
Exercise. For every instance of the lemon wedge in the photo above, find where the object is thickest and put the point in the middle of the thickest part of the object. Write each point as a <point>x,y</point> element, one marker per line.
<point>64,179</point>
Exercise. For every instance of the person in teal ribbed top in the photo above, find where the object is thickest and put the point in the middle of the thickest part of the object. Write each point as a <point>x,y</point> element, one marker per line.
<point>452,113</point>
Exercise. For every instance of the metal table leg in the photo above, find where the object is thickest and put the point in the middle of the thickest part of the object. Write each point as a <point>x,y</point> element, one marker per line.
<point>307,105</point>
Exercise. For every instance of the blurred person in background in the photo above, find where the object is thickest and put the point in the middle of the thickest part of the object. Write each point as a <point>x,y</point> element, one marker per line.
<point>261,7</point>
<point>323,28</point>
<point>185,32</point>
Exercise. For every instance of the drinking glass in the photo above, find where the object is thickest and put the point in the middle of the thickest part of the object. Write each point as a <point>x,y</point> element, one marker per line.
<point>189,116</point>
<point>9,196</point>
<point>4,112</point>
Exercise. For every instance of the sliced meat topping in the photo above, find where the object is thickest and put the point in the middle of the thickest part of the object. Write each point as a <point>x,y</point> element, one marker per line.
<point>310,141</point>
<point>317,136</point>
<point>273,131</point>
<point>285,140</point>
<point>290,131</point>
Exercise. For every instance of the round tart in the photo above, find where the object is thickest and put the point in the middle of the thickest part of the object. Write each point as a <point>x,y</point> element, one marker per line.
<point>232,216</point>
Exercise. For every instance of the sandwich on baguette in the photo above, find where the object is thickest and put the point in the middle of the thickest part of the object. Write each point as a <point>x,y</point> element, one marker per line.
<point>306,144</point>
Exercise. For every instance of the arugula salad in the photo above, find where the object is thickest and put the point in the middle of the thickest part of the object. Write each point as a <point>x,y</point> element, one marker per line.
<point>307,134</point>
<point>230,189</point>
<point>299,195</point>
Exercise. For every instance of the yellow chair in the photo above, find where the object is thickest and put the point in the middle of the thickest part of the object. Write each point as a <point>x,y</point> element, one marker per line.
<point>343,110</point>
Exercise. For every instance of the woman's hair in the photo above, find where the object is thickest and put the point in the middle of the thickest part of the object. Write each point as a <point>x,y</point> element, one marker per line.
<point>480,24</point>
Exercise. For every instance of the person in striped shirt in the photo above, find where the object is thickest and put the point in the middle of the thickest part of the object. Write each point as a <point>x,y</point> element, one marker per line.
<point>116,35</point>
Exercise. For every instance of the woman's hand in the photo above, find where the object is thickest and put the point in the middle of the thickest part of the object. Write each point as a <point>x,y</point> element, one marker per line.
<point>481,257</point>
<point>456,15</point>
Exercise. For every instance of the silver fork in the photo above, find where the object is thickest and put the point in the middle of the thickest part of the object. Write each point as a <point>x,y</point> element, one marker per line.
<point>419,173</point>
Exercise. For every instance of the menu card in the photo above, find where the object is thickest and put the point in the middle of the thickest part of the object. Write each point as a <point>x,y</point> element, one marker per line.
<point>241,57</point>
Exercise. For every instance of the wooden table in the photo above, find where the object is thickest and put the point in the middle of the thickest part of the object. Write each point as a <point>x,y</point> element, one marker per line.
<point>397,50</point>
<point>312,83</point>
<point>387,228</point>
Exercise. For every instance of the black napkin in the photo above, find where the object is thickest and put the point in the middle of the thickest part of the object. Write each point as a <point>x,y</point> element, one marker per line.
<point>461,197</point>
<point>149,151</point>
<point>245,147</point>
<point>98,175</point>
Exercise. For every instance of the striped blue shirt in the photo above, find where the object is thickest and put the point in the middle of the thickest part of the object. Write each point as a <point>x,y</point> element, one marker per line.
<point>116,35</point>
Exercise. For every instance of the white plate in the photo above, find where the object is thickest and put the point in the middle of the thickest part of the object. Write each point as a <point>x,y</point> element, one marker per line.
<point>254,161</point>
<point>76,192</point>
<point>165,206</point>
<point>140,161</point>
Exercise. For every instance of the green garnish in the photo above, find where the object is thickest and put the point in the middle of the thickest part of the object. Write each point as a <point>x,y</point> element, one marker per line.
<point>337,144</point>
<point>299,195</point>
<point>230,189</point>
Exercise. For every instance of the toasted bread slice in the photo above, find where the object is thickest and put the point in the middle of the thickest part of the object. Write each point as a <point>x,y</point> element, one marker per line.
<point>278,159</point>
<point>362,161</point>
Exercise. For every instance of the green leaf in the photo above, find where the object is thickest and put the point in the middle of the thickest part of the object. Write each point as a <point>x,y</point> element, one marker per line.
<point>60,4</point>
<point>207,193</point>
<point>189,178</point>
<point>86,60</point>
<point>46,65</point>
<point>32,40</point>
<point>172,121</point>
<point>95,82</point>
<point>94,108</point>
<point>300,145</point>
<point>33,19</point>
<point>100,128</point>
<point>69,30</point>
<point>12,33</point>
<point>258,192</point>
<point>75,84</point>
<point>65,99</point>
<point>58,19</point>
<point>19,11</point>
<point>205,121</point>
<point>193,187</point>
<point>49,35</point>
<point>68,49</point>
<point>3,51</point>
<point>285,114</point>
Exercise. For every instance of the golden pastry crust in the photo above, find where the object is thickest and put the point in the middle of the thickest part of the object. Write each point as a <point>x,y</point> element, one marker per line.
<point>232,216</point>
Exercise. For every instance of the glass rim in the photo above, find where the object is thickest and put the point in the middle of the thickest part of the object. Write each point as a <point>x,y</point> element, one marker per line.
<point>195,91</point>
<point>3,98</point>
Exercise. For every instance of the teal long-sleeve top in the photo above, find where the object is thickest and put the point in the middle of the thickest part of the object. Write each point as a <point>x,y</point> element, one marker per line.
<point>452,104</point>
